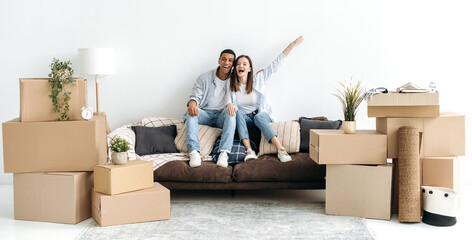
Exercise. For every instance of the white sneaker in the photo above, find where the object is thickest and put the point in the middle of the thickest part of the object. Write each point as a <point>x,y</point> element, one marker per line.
<point>250,154</point>
<point>283,155</point>
<point>222,160</point>
<point>195,159</point>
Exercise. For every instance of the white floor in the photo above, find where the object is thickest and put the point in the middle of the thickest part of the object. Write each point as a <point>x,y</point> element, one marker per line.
<point>14,229</point>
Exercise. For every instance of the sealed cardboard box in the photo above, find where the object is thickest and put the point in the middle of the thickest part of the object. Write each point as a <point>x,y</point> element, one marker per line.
<point>441,136</point>
<point>54,146</point>
<point>61,197</point>
<point>36,105</point>
<point>146,205</point>
<point>441,172</point>
<point>115,179</point>
<point>359,190</point>
<point>403,105</point>
<point>336,147</point>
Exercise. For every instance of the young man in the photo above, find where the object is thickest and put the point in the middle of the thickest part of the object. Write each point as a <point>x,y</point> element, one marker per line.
<point>207,106</point>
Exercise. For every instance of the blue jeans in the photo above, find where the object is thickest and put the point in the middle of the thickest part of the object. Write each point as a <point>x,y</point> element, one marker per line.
<point>261,120</point>
<point>212,118</point>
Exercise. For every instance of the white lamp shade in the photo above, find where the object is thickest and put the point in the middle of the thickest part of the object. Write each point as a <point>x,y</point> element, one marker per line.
<point>97,61</point>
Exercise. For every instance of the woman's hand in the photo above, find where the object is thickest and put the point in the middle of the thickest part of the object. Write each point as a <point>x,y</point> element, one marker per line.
<point>295,43</point>
<point>231,109</point>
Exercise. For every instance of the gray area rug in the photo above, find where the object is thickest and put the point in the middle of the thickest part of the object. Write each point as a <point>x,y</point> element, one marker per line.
<point>239,220</point>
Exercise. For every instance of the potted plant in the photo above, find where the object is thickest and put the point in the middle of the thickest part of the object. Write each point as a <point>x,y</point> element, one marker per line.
<point>119,146</point>
<point>60,77</point>
<point>350,96</point>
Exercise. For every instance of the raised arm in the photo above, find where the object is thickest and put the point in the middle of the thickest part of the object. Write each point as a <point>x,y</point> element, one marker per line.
<point>274,66</point>
<point>293,44</point>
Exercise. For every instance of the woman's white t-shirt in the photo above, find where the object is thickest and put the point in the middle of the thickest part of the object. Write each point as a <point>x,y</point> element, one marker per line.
<point>247,102</point>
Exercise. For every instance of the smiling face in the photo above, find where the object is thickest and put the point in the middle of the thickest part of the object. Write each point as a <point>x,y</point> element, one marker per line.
<point>226,63</point>
<point>243,67</point>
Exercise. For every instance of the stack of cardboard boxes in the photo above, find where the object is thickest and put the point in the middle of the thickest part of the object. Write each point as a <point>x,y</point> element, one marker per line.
<point>52,161</point>
<point>358,178</point>
<point>127,194</point>
<point>442,136</point>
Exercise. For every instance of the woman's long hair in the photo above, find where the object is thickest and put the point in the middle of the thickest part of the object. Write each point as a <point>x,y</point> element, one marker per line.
<point>234,84</point>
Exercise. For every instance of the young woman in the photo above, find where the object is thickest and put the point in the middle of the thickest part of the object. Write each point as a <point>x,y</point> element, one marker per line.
<point>248,100</point>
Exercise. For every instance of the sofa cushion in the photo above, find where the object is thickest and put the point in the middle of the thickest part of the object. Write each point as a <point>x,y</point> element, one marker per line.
<point>238,151</point>
<point>269,168</point>
<point>180,171</point>
<point>309,123</point>
<point>153,140</point>
<point>288,133</point>
<point>207,136</point>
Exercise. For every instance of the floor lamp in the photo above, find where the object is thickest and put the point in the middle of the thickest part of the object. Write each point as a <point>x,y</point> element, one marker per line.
<point>98,62</point>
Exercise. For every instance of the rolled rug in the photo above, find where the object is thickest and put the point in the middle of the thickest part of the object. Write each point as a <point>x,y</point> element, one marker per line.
<point>440,206</point>
<point>409,191</point>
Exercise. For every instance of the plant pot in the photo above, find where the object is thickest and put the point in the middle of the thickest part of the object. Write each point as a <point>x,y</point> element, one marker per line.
<point>349,127</point>
<point>119,158</point>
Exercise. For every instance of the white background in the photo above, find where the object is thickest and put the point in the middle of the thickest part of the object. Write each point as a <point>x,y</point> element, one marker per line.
<point>162,46</point>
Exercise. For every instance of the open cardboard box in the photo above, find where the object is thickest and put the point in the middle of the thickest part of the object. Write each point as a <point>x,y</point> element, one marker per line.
<point>403,105</point>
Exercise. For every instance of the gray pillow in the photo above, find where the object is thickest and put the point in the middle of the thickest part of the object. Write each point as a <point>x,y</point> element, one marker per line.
<point>154,140</point>
<point>307,123</point>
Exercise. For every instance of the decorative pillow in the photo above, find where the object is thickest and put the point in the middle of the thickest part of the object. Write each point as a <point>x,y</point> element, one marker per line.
<point>153,140</point>
<point>238,151</point>
<point>207,136</point>
<point>288,133</point>
<point>307,123</point>
<point>160,122</point>
<point>126,133</point>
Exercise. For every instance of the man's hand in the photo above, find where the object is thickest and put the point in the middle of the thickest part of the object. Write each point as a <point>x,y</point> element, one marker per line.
<point>192,108</point>
<point>231,109</point>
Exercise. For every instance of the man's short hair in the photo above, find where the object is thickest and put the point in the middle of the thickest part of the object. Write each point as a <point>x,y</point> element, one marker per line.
<point>228,51</point>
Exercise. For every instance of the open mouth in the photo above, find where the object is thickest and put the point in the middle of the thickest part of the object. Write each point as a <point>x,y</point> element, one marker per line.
<point>241,70</point>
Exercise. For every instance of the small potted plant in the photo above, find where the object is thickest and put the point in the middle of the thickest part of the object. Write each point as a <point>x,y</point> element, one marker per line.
<point>119,146</point>
<point>350,96</point>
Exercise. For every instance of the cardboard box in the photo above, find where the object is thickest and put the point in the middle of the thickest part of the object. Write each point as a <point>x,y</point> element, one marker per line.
<point>36,105</point>
<point>115,179</point>
<point>336,147</point>
<point>140,206</point>
<point>403,105</point>
<point>61,197</point>
<point>442,136</point>
<point>54,146</point>
<point>441,172</point>
<point>359,190</point>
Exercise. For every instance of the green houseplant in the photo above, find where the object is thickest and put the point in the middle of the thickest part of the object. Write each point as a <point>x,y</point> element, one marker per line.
<point>119,146</point>
<point>60,76</point>
<point>350,95</point>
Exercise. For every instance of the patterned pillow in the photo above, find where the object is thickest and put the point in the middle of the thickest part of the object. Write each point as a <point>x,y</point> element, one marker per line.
<point>126,133</point>
<point>161,122</point>
<point>207,136</point>
<point>238,151</point>
<point>288,133</point>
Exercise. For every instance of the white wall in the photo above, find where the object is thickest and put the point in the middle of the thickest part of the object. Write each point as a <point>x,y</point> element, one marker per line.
<point>162,46</point>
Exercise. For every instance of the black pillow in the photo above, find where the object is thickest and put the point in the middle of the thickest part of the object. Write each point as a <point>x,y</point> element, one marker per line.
<point>307,123</point>
<point>153,140</point>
